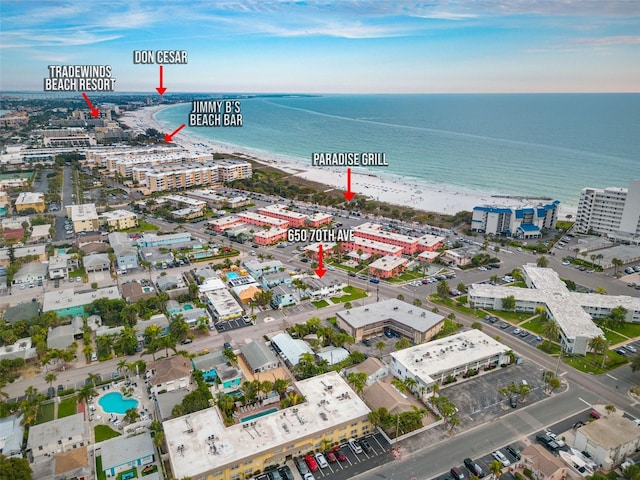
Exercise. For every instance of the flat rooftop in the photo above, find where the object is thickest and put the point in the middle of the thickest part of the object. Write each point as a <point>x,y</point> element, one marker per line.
<point>223,303</point>
<point>427,360</point>
<point>392,309</point>
<point>69,298</point>
<point>378,245</point>
<point>212,447</point>
<point>277,222</point>
<point>376,229</point>
<point>388,263</point>
<point>279,209</point>
<point>79,213</point>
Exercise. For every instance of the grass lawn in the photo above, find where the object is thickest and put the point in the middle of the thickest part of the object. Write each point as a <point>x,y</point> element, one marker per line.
<point>320,304</point>
<point>343,267</point>
<point>67,407</point>
<point>103,432</point>
<point>535,325</point>
<point>146,472</point>
<point>142,227</point>
<point>613,337</point>
<point>45,413</point>
<point>352,293</point>
<point>592,364</point>
<point>553,349</point>
<point>453,304</point>
<point>630,330</point>
<point>99,471</point>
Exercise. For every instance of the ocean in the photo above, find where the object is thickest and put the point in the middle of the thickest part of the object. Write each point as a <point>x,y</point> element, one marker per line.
<point>541,145</point>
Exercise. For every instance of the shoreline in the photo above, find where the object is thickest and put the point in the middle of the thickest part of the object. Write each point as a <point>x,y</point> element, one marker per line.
<point>392,189</point>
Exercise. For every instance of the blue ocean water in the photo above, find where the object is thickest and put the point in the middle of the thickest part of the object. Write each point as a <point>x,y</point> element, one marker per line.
<point>548,145</point>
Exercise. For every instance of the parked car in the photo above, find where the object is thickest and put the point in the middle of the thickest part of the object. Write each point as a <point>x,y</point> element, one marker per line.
<point>366,446</point>
<point>331,457</point>
<point>51,392</point>
<point>630,348</point>
<point>473,467</point>
<point>286,473</point>
<point>457,474</point>
<point>355,446</point>
<point>548,442</point>
<point>514,451</point>
<point>301,466</point>
<point>321,460</point>
<point>60,388</point>
<point>499,456</point>
<point>366,342</point>
<point>311,463</point>
<point>340,453</point>
<point>513,402</point>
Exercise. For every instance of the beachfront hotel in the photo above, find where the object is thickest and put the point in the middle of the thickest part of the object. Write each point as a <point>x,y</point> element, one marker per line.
<point>201,446</point>
<point>519,222</point>
<point>107,157</point>
<point>572,311</point>
<point>612,211</point>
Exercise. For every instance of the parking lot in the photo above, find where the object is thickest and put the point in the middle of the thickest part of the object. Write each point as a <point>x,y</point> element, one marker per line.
<point>532,339</point>
<point>355,464</point>
<point>233,324</point>
<point>479,401</point>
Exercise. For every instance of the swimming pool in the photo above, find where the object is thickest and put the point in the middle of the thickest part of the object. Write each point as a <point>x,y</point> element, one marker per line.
<point>232,275</point>
<point>187,306</point>
<point>114,402</point>
<point>258,415</point>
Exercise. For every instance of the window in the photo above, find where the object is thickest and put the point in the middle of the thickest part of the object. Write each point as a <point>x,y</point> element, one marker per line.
<point>59,442</point>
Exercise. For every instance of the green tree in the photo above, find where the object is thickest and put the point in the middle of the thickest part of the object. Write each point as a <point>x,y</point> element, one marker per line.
<point>543,262</point>
<point>617,263</point>
<point>86,392</point>
<point>280,385</point>
<point>509,303</point>
<point>610,409</point>
<point>50,378</point>
<point>402,344</point>
<point>495,468</point>
<point>551,330</point>
<point>598,345</point>
<point>14,468</point>
<point>476,325</point>
<point>357,380</point>
<point>131,415</point>
<point>380,346</point>
<point>400,297</point>
<point>443,289</point>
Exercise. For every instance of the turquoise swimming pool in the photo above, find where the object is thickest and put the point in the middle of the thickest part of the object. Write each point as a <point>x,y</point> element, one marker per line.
<point>187,306</point>
<point>258,415</point>
<point>114,402</point>
<point>232,275</point>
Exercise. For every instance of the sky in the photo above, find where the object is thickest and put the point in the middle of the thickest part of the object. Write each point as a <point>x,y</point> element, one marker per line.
<point>332,46</point>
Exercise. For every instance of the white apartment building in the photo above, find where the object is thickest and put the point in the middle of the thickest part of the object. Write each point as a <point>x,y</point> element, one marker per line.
<point>610,211</point>
<point>230,170</point>
<point>521,222</point>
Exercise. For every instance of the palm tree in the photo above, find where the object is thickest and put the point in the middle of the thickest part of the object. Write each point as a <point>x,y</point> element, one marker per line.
<point>598,345</point>
<point>357,380</point>
<point>231,357</point>
<point>50,378</point>
<point>617,263</point>
<point>280,386</point>
<point>495,468</point>
<point>123,367</point>
<point>93,378</point>
<point>87,349</point>
<point>551,331</point>
<point>410,383</point>
<point>86,392</point>
<point>131,415</point>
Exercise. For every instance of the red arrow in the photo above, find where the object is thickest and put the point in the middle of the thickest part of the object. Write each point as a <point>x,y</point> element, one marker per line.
<point>349,194</point>
<point>169,136</point>
<point>320,271</point>
<point>94,111</point>
<point>161,89</point>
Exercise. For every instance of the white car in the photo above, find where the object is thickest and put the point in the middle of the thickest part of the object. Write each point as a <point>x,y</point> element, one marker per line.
<point>322,461</point>
<point>565,263</point>
<point>559,441</point>
<point>499,456</point>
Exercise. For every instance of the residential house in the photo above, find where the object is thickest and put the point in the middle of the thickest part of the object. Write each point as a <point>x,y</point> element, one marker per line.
<point>40,233</point>
<point>216,368</point>
<point>60,337</point>
<point>23,311</point>
<point>168,282</point>
<point>257,268</point>
<point>609,440</point>
<point>31,273</point>
<point>57,436</point>
<point>168,374</point>
<point>373,368</point>
<point>11,435</point>
<point>34,252</point>
<point>543,464</point>
<point>96,262</point>
<point>259,357</point>
<point>283,296</point>
<point>126,254</point>
<point>69,302</point>
<point>61,264</point>
<point>124,453</point>
<point>290,349</point>
<point>319,288</point>
<point>159,319</point>
<point>382,394</point>
<point>133,291</point>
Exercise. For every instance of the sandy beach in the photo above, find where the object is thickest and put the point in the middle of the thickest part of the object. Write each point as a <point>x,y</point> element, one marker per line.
<point>396,191</point>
